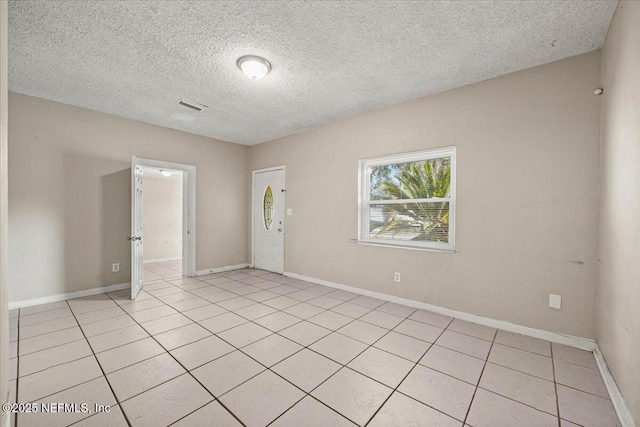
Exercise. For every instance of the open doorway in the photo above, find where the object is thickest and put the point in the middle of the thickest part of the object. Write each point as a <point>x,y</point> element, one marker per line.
<point>163,221</point>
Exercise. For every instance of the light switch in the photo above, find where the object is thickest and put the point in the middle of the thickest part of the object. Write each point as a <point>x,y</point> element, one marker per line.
<point>289,211</point>
<point>555,301</point>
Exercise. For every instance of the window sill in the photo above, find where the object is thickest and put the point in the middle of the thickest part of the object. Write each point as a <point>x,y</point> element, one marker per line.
<point>411,248</point>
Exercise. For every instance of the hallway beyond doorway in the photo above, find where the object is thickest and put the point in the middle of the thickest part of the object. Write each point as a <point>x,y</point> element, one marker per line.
<point>162,270</point>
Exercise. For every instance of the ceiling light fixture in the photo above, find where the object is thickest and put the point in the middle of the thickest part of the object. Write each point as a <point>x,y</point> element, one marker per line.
<point>254,67</point>
<point>166,173</point>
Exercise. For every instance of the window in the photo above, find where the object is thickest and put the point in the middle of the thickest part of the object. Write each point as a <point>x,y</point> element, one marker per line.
<point>408,200</point>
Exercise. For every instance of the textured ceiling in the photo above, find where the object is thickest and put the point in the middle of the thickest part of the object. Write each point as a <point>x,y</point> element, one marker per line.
<point>331,60</point>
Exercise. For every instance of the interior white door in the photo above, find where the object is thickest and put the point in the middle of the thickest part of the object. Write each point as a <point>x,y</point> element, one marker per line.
<point>268,220</point>
<point>137,269</point>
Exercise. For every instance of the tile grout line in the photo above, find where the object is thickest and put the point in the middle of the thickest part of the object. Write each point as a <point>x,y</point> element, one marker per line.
<point>585,392</point>
<point>332,331</point>
<point>480,378</point>
<point>194,411</point>
<point>555,386</point>
<point>476,386</point>
<point>299,302</point>
<point>53,346</point>
<point>40,305</point>
<point>367,348</point>
<point>50,332</point>
<point>101,370</point>
<point>322,355</point>
<point>79,326</point>
<point>61,363</point>
<point>522,372</point>
<point>198,321</point>
<point>300,320</point>
<point>17,365</point>
<point>408,373</point>
<point>46,320</point>
<point>404,318</point>
<point>309,395</point>
<point>182,312</point>
<point>304,347</point>
<point>246,318</point>
<point>137,323</point>
<point>518,402</point>
<point>151,336</point>
<point>84,357</point>
<point>269,368</point>
<point>70,387</point>
<point>187,371</point>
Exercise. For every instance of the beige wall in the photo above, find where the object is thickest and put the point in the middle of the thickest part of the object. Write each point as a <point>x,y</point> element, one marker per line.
<point>618,318</point>
<point>70,197</point>
<point>527,197</point>
<point>4,316</point>
<point>162,217</point>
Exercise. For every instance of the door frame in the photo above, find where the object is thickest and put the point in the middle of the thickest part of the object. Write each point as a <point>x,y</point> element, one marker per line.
<point>188,209</point>
<point>283,168</point>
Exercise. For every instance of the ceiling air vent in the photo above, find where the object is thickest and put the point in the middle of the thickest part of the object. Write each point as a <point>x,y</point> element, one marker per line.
<point>192,105</point>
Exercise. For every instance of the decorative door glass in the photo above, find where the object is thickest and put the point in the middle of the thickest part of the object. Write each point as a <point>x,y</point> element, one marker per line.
<point>268,208</point>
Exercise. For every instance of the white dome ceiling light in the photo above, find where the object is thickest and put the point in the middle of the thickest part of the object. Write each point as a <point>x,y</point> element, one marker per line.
<point>254,67</point>
<point>166,173</point>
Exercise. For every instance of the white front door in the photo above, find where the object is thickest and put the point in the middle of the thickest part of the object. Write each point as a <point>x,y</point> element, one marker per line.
<point>137,269</point>
<point>268,220</point>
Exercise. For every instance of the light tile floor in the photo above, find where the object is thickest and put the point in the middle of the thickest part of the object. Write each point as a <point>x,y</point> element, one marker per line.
<point>253,348</point>
<point>162,270</point>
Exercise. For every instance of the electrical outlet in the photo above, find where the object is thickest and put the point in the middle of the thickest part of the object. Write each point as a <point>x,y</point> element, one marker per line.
<point>555,301</point>
<point>289,211</point>
<point>115,267</point>
<point>396,277</point>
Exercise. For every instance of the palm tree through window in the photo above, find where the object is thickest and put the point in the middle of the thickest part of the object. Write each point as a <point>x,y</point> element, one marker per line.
<point>409,203</point>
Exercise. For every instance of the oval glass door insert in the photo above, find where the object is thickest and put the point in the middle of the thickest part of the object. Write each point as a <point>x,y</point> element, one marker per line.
<point>268,208</point>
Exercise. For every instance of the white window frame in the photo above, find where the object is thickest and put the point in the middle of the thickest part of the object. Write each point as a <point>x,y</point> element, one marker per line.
<point>364,201</point>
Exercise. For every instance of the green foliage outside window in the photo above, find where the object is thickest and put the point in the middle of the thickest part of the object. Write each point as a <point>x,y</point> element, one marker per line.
<point>406,220</point>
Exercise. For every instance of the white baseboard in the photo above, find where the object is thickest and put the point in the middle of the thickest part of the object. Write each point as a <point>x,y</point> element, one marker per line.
<point>104,289</point>
<point>68,295</point>
<point>614,392</point>
<point>149,261</point>
<point>582,343</point>
<point>221,269</point>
